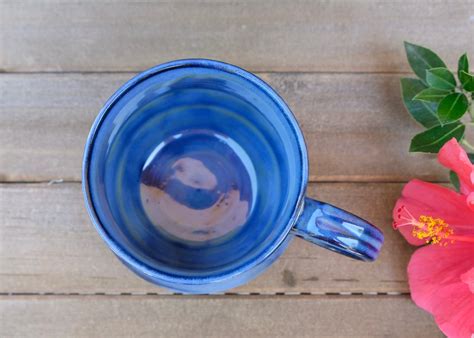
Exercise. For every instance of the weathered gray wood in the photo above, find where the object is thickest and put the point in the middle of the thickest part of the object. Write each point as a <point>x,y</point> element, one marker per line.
<point>355,36</point>
<point>355,125</point>
<point>47,244</point>
<point>252,316</point>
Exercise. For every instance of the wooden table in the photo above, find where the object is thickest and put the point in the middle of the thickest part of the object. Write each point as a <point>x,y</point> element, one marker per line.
<point>336,63</point>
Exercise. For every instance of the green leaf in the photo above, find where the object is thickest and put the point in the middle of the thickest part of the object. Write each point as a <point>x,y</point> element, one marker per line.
<point>421,59</point>
<point>463,65</point>
<point>423,112</point>
<point>468,81</point>
<point>431,95</point>
<point>440,78</point>
<point>452,107</point>
<point>453,177</point>
<point>431,140</point>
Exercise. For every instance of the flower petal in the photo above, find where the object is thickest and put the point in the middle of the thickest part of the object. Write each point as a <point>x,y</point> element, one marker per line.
<point>454,157</point>
<point>468,278</point>
<point>436,285</point>
<point>422,198</point>
<point>455,312</point>
<point>470,201</point>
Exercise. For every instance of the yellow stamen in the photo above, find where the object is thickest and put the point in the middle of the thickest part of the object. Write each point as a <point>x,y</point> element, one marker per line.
<point>433,230</point>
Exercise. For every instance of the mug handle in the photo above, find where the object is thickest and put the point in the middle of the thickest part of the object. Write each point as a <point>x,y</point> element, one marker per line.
<point>338,230</point>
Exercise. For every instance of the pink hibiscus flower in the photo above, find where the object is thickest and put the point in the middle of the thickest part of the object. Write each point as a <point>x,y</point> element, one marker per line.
<point>441,275</point>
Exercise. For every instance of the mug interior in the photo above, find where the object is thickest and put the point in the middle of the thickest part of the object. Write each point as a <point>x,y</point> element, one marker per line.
<point>195,168</point>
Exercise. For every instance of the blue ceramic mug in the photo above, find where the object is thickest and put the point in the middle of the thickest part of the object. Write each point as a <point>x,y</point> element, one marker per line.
<point>194,174</point>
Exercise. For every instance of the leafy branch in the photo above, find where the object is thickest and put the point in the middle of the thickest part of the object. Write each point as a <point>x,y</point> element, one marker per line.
<point>438,101</point>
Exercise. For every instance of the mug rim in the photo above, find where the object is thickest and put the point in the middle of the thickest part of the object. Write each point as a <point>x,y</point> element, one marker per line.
<point>120,251</point>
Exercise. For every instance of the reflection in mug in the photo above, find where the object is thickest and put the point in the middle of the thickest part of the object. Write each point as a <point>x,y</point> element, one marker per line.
<point>194,191</point>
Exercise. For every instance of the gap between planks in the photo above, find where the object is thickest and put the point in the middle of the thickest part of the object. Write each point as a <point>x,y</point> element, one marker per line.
<point>237,294</point>
<point>310,180</point>
<point>254,71</point>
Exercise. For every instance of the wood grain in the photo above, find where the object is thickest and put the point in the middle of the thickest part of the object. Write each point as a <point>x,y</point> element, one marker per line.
<point>334,62</point>
<point>355,125</point>
<point>254,316</point>
<point>354,36</point>
<point>47,244</point>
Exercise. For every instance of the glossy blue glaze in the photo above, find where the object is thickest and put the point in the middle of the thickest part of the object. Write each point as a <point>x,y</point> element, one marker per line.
<point>338,230</point>
<point>194,174</point>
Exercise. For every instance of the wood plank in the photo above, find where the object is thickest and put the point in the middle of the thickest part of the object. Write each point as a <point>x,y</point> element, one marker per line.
<point>355,125</point>
<point>355,36</point>
<point>47,244</point>
<point>307,316</point>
